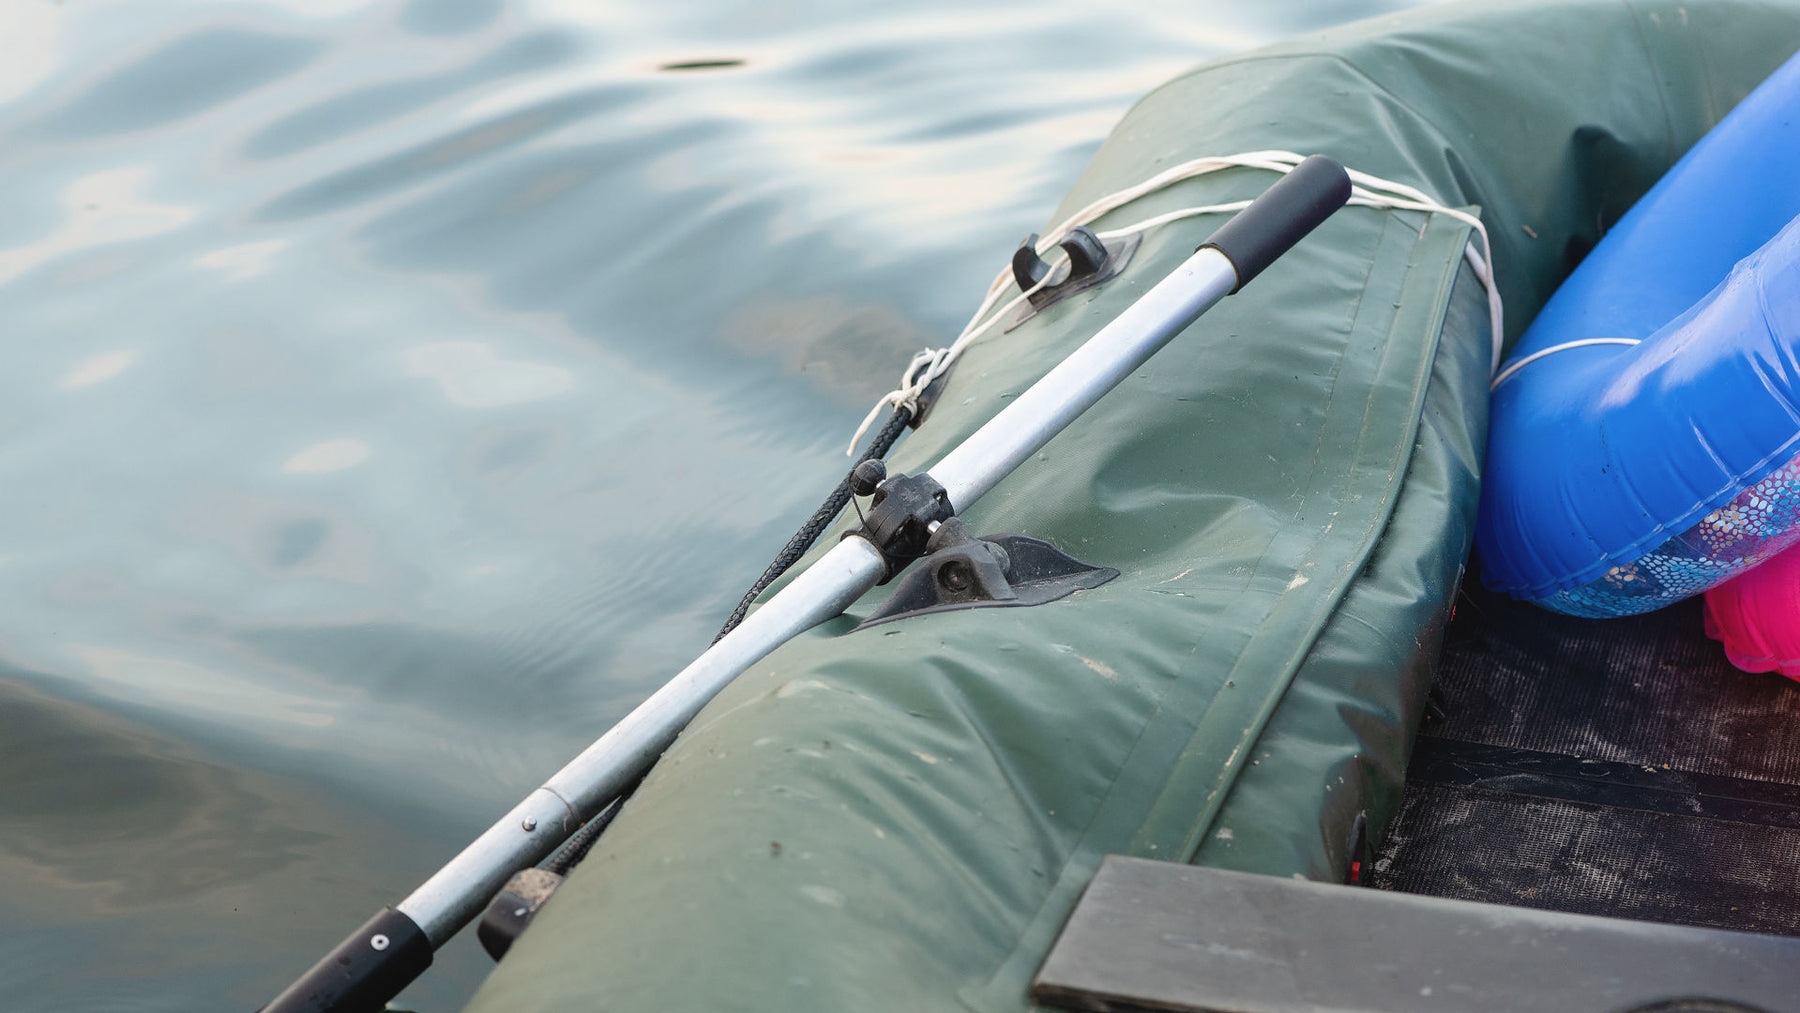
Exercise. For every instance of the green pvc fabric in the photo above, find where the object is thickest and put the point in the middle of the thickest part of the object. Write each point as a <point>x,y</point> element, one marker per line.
<point>901,818</point>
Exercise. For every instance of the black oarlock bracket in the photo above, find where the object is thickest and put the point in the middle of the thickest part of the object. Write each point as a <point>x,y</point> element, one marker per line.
<point>513,908</point>
<point>961,571</point>
<point>899,520</point>
<point>1087,256</point>
<point>1092,260</point>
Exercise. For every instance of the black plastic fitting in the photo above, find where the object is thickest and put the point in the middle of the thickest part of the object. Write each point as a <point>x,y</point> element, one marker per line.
<point>363,972</point>
<point>1281,217</point>
<point>899,520</point>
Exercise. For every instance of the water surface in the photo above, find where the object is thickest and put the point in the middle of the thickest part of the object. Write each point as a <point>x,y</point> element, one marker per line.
<point>393,394</point>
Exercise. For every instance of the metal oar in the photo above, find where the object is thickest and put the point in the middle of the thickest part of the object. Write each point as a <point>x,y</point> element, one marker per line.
<point>394,947</point>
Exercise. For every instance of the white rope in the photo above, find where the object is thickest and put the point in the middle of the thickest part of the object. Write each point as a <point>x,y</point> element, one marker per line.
<point>937,361</point>
<point>1365,191</point>
<point>1507,373</point>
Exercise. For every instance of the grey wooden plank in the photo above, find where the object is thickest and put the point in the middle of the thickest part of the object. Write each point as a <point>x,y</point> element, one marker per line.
<point>1168,937</point>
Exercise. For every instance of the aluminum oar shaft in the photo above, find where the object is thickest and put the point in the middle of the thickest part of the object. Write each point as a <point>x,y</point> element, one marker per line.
<point>533,829</point>
<point>379,959</point>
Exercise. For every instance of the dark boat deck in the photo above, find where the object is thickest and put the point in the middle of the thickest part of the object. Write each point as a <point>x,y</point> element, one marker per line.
<point>1607,767</point>
<point>1614,768</point>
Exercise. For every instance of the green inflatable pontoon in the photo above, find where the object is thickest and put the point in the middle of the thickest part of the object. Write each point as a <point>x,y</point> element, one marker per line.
<point>903,817</point>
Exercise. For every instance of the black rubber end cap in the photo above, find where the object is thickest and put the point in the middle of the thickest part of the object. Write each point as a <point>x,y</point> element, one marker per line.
<point>1281,217</point>
<point>367,969</point>
<point>867,476</point>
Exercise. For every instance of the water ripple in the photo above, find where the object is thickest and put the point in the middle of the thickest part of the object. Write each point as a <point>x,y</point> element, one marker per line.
<point>397,391</point>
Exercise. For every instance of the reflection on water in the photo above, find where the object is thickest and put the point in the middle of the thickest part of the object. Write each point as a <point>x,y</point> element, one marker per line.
<point>122,840</point>
<point>101,208</point>
<point>129,818</point>
<point>374,373</point>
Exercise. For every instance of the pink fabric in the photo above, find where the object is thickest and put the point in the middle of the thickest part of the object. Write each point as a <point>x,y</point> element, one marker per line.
<point>1756,615</point>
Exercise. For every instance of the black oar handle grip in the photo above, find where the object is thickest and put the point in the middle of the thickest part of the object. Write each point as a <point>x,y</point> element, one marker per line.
<point>1278,219</point>
<point>364,972</point>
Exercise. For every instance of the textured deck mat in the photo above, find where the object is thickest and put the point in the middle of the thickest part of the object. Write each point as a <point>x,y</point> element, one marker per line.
<point>1612,767</point>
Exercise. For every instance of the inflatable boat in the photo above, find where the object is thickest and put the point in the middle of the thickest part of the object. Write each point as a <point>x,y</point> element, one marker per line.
<point>1645,429</point>
<point>906,814</point>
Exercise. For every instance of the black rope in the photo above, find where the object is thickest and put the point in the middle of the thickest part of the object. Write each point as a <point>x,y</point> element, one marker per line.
<point>576,848</point>
<point>821,519</point>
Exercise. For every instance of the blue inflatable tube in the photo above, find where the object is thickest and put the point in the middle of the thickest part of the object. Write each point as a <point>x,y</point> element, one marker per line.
<point>1643,433</point>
